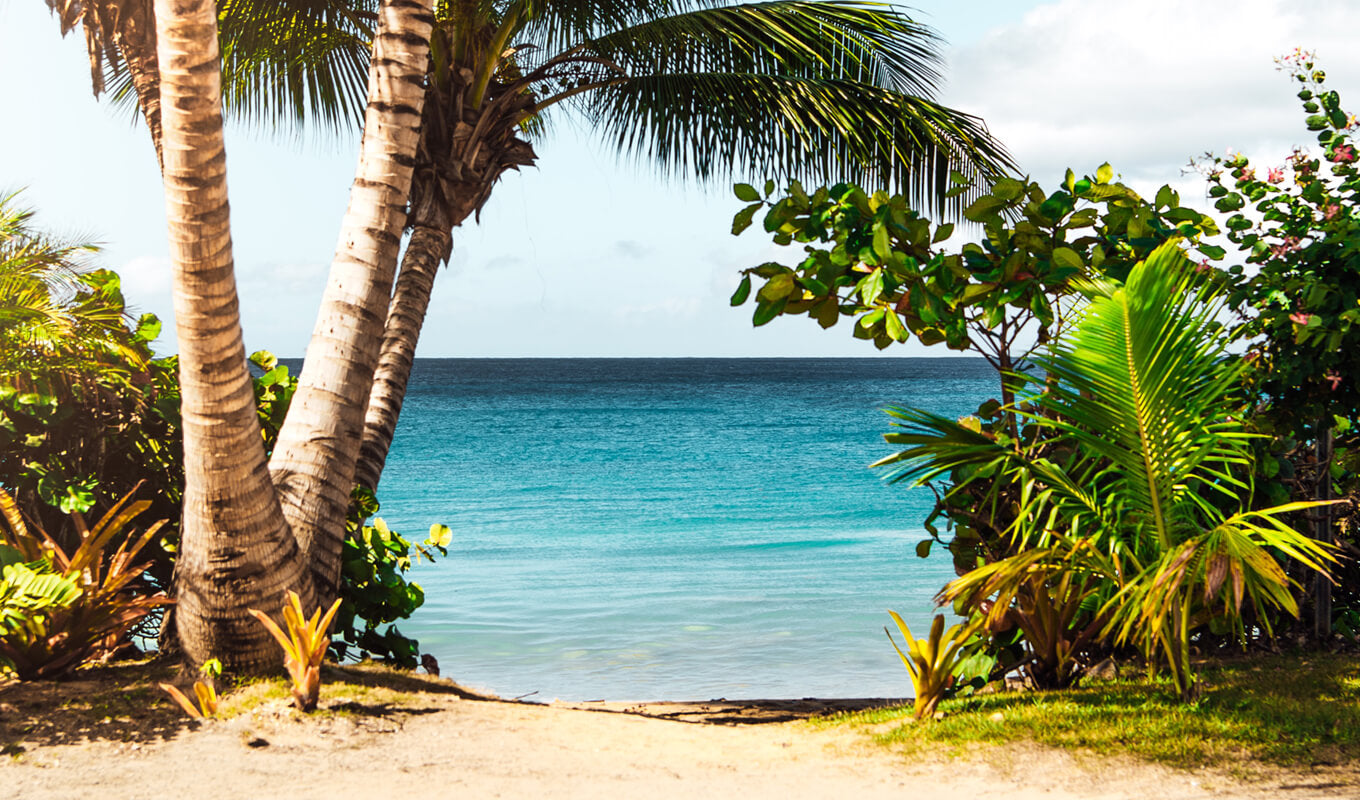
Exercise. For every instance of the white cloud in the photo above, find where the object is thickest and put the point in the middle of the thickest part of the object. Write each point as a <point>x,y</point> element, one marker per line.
<point>1146,86</point>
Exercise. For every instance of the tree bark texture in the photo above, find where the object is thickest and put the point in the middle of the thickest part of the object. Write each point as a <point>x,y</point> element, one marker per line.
<point>463,153</point>
<point>314,458</point>
<point>236,551</point>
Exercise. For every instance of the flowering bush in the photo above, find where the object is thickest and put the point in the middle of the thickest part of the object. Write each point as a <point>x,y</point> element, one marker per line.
<point>1302,301</point>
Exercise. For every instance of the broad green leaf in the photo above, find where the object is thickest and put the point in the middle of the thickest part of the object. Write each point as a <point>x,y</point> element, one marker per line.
<point>742,220</point>
<point>777,288</point>
<point>1067,257</point>
<point>746,193</point>
<point>1105,173</point>
<point>894,326</point>
<point>743,291</point>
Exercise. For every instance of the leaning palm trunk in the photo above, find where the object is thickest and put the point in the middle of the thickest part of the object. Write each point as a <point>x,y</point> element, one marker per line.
<point>463,152</point>
<point>427,247</point>
<point>236,551</point>
<point>313,460</point>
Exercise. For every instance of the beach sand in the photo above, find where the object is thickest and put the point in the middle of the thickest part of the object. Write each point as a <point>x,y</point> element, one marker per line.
<point>431,739</point>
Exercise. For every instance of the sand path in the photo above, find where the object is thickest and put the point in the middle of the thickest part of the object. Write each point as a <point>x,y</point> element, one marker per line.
<point>446,746</point>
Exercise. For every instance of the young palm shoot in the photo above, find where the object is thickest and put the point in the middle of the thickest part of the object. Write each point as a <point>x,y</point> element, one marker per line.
<point>205,690</point>
<point>933,663</point>
<point>304,645</point>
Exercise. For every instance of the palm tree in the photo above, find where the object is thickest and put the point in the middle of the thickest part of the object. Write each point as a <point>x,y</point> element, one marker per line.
<point>53,317</point>
<point>236,550</point>
<point>1137,492</point>
<point>314,457</point>
<point>240,548</point>
<point>791,88</point>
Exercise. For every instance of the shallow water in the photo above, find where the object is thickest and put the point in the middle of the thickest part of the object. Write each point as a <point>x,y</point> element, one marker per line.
<point>668,528</point>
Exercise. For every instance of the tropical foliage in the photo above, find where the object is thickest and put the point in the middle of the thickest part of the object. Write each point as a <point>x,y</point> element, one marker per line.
<point>1144,493</point>
<point>304,644</point>
<point>74,627</point>
<point>934,663</point>
<point>81,417</point>
<point>874,257</point>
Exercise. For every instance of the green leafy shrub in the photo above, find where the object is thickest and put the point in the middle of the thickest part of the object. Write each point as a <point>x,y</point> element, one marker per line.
<point>374,587</point>
<point>1148,502</point>
<point>110,600</point>
<point>1297,222</point>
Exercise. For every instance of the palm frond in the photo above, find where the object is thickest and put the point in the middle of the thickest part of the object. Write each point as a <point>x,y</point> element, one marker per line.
<point>292,63</point>
<point>712,125</point>
<point>1143,381</point>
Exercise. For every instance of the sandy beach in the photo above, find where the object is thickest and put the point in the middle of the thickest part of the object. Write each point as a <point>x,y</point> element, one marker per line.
<point>430,739</point>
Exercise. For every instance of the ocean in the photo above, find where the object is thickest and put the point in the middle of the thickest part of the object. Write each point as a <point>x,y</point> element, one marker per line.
<point>668,529</point>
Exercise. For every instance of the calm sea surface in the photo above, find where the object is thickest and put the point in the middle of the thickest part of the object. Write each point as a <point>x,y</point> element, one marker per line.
<point>632,529</point>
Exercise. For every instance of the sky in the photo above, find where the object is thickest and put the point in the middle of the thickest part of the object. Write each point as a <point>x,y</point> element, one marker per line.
<point>585,255</point>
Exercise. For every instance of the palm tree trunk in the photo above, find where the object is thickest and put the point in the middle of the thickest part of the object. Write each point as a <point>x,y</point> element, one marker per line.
<point>236,551</point>
<point>135,36</point>
<point>463,153</point>
<point>313,460</point>
<point>429,245</point>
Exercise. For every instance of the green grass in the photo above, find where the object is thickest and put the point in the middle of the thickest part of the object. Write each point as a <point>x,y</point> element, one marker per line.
<point>1287,711</point>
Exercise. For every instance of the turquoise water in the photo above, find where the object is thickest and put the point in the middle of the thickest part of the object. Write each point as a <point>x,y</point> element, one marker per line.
<point>631,529</point>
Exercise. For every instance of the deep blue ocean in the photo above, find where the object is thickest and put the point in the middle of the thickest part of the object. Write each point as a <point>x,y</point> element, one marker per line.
<point>678,529</point>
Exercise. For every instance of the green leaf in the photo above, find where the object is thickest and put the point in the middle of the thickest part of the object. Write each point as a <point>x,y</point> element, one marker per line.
<point>766,311</point>
<point>742,220</point>
<point>871,287</point>
<point>894,326</point>
<point>1105,173</point>
<point>743,291</point>
<point>923,548</point>
<point>769,187</point>
<point>148,327</point>
<point>983,208</point>
<point>746,193</point>
<point>1009,189</point>
<point>882,247</point>
<point>942,233</point>
<point>777,288</point>
<point>1067,257</point>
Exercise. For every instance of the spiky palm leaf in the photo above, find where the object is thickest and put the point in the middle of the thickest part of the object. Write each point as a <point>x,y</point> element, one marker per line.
<point>1142,394</point>
<point>55,311</point>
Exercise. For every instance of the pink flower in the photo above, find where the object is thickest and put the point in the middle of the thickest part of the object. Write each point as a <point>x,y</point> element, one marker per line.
<point>1248,174</point>
<point>1275,175</point>
<point>1300,318</point>
<point>1334,378</point>
<point>1289,245</point>
<point>1332,211</point>
<point>1343,154</point>
<point>1204,267</point>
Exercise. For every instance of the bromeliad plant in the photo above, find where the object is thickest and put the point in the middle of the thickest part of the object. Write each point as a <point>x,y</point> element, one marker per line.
<point>935,664</point>
<point>1146,489</point>
<point>304,646</point>
<point>110,601</point>
<point>205,690</point>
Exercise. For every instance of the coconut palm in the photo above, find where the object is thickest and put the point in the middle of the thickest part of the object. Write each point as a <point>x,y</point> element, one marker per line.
<point>120,36</point>
<point>1146,501</point>
<point>239,549</point>
<point>236,550</point>
<point>790,88</point>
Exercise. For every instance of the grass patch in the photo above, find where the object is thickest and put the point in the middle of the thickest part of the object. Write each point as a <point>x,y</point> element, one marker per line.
<point>1288,711</point>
